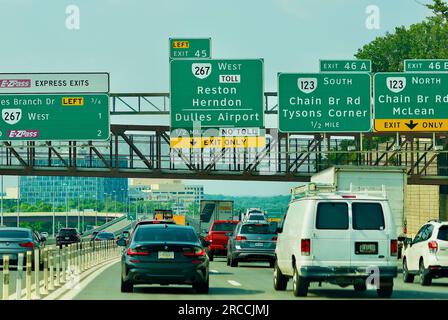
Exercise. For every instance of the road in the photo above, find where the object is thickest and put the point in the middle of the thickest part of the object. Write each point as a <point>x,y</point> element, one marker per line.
<point>250,281</point>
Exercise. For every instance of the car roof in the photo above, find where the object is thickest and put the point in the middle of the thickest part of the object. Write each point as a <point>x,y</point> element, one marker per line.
<point>15,229</point>
<point>252,222</point>
<point>165,226</point>
<point>225,221</point>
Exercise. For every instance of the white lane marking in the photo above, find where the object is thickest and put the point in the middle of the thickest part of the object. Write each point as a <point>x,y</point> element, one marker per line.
<point>234,283</point>
<point>214,271</point>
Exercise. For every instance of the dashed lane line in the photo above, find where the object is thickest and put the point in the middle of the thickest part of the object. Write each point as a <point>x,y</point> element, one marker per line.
<point>234,283</point>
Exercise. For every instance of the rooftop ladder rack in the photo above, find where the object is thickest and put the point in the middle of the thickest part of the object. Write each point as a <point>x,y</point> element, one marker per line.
<point>314,189</point>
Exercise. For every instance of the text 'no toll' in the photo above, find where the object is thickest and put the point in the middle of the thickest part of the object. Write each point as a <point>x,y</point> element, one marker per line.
<point>411,102</point>
<point>330,102</point>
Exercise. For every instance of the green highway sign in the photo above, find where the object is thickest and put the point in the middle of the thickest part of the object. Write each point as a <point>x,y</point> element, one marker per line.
<point>216,94</point>
<point>426,65</point>
<point>54,117</point>
<point>411,102</point>
<point>190,48</point>
<point>345,65</point>
<point>324,102</point>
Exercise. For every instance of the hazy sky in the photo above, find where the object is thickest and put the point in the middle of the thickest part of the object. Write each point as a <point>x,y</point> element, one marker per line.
<point>129,39</point>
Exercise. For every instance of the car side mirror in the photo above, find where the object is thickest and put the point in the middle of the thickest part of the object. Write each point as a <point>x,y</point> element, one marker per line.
<point>229,234</point>
<point>279,230</point>
<point>402,238</point>
<point>121,242</point>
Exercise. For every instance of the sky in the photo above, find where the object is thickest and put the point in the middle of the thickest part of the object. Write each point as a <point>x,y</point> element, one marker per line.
<point>129,39</point>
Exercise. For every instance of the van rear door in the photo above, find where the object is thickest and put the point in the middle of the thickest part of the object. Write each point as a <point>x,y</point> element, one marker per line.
<point>369,237</point>
<point>330,245</point>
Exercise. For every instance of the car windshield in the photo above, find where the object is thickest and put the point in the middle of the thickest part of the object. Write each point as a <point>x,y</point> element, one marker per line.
<point>105,236</point>
<point>367,216</point>
<point>152,234</point>
<point>443,233</point>
<point>257,229</point>
<point>14,234</point>
<point>224,226</point>
<point>67,232</point>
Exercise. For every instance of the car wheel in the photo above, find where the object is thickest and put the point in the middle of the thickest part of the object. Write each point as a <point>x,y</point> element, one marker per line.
<point>300,285</point>
<point>233,262</point>
<point>126,286</point>
<point>425,277</point>
<point>210,256</point>
<point>272,264</point>
<point>201,287</point>
<point>386,288</point>
<point>407,277</point>
<point>228,261</point>
<point>280,281</point>
<point>360,287</point>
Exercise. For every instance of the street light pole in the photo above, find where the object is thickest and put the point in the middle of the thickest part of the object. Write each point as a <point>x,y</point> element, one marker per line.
<point>1,203</point>
<point>53,208</point>
<point>18,202</point>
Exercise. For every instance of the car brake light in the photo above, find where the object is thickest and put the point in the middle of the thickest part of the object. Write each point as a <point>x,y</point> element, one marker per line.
<point>131,253</point>
<point>239,238</point>
<point>27,245</point>
<point>305,245</point>
<point>349,197</point>
<point>274,238</point>
<point>393,247</point>
<point>198,252</point>
<point>433,246</point>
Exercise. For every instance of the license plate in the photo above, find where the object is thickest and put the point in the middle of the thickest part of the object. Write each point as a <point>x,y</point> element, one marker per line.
<point>166,255</point>
<point>67,238</point>
<point>366,248</point>
<point>258,244</point>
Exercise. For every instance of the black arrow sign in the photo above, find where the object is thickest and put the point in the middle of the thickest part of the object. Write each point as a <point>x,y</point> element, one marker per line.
<point>411,125</point>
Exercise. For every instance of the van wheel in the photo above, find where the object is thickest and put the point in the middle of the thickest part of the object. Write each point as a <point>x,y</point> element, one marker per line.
<point>280,281</point>
<point>360,287</point>
<point>407,277</point>
<point>126,286</point>
<point>425,277</point>
<point>386,288</point>
<point>299,285</point>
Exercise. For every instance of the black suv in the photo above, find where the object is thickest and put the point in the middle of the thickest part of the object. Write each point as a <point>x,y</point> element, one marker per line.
<point>67,236</point>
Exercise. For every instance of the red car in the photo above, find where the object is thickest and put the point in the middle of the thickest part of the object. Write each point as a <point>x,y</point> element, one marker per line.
<point>218,236</point>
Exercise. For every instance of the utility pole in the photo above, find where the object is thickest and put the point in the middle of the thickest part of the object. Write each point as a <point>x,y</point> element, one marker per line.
<point>18,204</point>
<point>1,203</point>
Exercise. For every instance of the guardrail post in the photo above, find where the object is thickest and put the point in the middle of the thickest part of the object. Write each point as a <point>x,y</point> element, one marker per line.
<point>36,273</point>
<point>28,280</point>
<point>19,276</point>
<point>57,252</point>
<point>51,267</point>
<point>63,263</point>
<point>5,278</point>
<point>45,267</point>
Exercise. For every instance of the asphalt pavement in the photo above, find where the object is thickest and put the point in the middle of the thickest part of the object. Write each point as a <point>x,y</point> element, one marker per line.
<point>249,281</point>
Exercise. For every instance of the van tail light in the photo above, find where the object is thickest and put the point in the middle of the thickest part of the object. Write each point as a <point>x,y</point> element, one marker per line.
<point>433,246</point>
<point>305,245</point>
<point>240,238</point>
<point>197,252</point>
<point>274,238</point>
<point>393,247</point>
<point>27,245</point>
<point>132,253</point>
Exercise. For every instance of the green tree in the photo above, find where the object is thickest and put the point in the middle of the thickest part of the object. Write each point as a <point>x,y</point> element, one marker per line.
<point>425,40</point>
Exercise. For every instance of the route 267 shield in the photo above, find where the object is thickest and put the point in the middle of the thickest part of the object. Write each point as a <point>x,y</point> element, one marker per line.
<point>307,85</point>
<point>396,84</point>
<point>11,116</point>
<point>201,70</point>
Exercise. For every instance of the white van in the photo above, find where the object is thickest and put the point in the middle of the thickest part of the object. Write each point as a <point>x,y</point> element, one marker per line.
<point>341,237</point>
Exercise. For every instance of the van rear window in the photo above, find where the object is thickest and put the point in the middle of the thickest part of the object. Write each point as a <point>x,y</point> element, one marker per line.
<point>367,216</point>
<point>443,233</point>
<point>332,215</point>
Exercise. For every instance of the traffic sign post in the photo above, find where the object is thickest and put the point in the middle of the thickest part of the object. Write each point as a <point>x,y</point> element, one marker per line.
<point>215,94</point>
<point>54,117</point>
<point>345,65</point>
<point>54,83</point>
<point>190,48</point>
<point>319,102</point>
<point>411,102</point>
<point>426,65</point>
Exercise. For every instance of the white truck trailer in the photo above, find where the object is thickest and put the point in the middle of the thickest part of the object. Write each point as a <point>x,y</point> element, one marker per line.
<point>393,178</point>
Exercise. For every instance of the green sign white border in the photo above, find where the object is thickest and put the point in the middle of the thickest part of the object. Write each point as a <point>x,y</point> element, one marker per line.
<point>351,71</point>
<point>65,140</point>
<point>246,59</point>
<point>436,72</point>
<point>183,39</point>
<point>320,131</point>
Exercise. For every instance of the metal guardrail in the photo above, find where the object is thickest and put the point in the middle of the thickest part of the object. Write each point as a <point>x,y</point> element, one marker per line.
<point>104,226</point>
